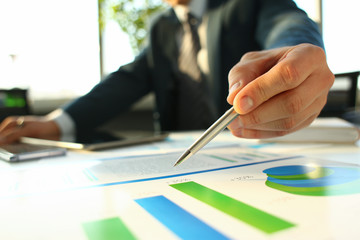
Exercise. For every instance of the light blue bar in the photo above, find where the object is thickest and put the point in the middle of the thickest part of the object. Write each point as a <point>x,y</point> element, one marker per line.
<point>90,175</point>
<point>179,221</point>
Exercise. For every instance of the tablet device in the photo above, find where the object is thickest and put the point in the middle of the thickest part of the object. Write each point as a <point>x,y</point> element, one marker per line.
<point>18,152</point>
<point>101,140</point>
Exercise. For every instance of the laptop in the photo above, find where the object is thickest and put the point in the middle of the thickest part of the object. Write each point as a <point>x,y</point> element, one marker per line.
<point>101,140</point>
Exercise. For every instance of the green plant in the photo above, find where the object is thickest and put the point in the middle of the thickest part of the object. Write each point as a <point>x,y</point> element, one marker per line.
<point>132,16</point>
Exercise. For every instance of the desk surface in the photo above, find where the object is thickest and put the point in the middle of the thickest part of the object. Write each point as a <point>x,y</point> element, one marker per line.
<point>233,189</point>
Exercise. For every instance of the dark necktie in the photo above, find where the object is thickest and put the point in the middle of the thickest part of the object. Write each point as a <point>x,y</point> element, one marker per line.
<point>194,110</point>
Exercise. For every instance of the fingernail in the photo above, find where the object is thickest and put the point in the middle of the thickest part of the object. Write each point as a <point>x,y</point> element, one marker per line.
<point>246,103</point>
<point>235,86</point>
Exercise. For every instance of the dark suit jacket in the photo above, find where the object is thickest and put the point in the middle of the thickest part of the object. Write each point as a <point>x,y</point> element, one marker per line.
<point>234,28</point>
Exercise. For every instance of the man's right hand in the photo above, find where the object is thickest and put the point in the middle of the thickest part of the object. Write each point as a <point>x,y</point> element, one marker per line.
<point>14,127</point>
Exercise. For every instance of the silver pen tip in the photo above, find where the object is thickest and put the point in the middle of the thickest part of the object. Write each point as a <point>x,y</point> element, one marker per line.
<point>183,157</point>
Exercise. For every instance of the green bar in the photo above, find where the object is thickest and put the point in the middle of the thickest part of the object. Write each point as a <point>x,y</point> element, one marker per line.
<point>107,229</point>
<point>255,217</point>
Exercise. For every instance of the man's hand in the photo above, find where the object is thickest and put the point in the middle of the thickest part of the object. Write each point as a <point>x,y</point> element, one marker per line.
<point>12,128</point>
<point>278,91</point>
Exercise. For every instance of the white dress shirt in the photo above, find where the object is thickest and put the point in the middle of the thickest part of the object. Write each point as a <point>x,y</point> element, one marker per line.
<point>196,8</point>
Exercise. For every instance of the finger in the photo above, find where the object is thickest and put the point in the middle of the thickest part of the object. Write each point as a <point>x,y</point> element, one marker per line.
<point>13,135</point>
<point>287,74</point>
<point>9,125</point>
<point>262,134</point>
<point>14,127</point>
<point>9,122</point>
<point>287,124</point>
<point>293,106</point>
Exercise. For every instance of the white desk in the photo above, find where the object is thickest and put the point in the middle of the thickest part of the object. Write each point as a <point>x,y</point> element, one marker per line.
<point>89,195</point>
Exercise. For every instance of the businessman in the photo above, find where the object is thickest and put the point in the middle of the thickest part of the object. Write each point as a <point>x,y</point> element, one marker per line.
<point>265,57</point>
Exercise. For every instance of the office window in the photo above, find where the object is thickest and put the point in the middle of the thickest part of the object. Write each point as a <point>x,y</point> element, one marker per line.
<point>134,17</point>
<point>312,8</point>
<point>50,47</point>
<point>340,32</point>
<point>116,48</point>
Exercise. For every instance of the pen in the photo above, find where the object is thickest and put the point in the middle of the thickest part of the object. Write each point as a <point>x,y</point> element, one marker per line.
<point>209,134</point>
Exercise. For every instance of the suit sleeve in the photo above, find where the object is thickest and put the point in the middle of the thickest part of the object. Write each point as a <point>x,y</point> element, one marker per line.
<point>282,23</point>
<point>115,94</point>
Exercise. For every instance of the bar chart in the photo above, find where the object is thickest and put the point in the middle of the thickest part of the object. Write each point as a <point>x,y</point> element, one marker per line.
<point>236,194</point>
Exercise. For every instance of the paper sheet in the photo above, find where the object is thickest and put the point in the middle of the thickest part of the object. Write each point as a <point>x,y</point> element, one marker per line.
<point>226,191</point>
<point>197,196</point>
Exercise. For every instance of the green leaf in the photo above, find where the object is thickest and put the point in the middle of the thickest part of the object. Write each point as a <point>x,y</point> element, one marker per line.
<point>133,17</point>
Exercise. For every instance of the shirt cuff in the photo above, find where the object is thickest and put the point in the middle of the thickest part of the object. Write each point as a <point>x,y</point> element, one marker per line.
<point>65,123</point>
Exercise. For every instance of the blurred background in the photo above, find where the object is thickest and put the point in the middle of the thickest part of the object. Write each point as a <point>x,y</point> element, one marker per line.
<point>58,50</point>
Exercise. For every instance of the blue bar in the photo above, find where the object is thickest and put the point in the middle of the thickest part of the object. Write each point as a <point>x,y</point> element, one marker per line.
<point>178,220</point>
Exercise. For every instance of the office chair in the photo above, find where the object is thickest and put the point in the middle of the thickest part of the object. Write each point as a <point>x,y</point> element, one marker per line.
<point>342,96</point>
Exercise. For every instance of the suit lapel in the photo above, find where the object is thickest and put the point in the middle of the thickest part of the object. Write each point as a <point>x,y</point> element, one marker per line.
<point>214,45</point>
<point>169,30</point>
